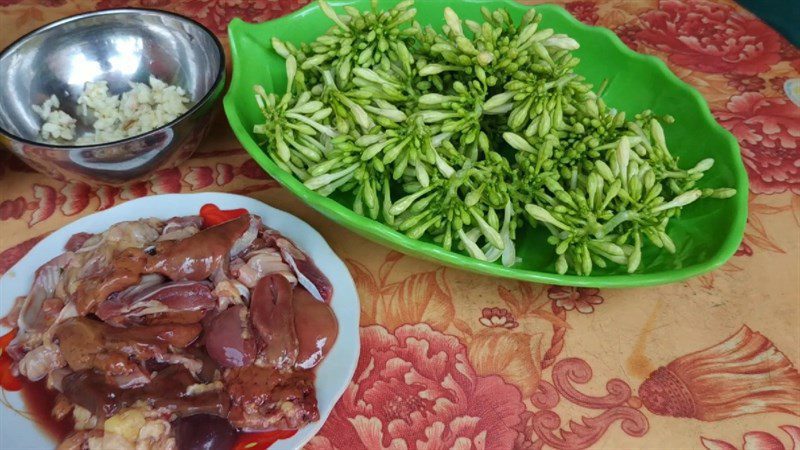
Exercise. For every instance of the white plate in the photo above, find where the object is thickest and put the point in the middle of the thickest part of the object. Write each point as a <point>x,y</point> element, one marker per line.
<point>333,375</point>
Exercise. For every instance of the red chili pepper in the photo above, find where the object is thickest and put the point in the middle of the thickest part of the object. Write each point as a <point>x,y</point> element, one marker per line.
<point>7,380</point>
<point>212,215</point>
<point>7,338</point>
<point>261,441</point>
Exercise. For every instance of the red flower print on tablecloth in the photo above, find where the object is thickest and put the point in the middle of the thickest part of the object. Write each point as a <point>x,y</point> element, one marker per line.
<point>768,129</point>
<point>790,53</point>
<point>199,177</point>
<point>628,33</point>
<point>497,318</point>
<point>215,14</point>
<point>11,256</point>
<point>13,209</point>
<point>251,169</point>
<point>224,174</point>
<point>745,83</point>
<point>744,250</point>
<point>156,4</point>
<point>107,196</point>
<point>134,190</point>
<point>581,299</point>
<point>415,388</point>
<point>46,205</point>
<point>76,198</point>
<point>585,11</point>
<point>166,181</point>
<point>777,84</point>
<point>710,37</point>
<point>757,440</point>
<point>71,198</point>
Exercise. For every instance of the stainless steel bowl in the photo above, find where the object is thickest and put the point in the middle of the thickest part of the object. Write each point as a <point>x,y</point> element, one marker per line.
<point>118,46</point>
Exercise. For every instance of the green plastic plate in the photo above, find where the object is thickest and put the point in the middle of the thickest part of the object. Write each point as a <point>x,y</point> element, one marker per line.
<point>706,234</point>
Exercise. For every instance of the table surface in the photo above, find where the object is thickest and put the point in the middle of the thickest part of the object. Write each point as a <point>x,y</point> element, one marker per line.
<point>454,359</point>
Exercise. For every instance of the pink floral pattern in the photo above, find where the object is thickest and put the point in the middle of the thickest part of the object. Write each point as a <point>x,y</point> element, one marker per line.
<point>790,53</point>
<point>757,440</point>
<point>768,129</point>
<point>744,250</point>
<point>13,209</point>
<point>200,177</point>
<point>10,256</point>
<point>581,299</point>
<point>415,388</point>
<point>745,83</point>
<point>585,11</point>
<point>777,83</point>
<point>628,33</point>
<point>710,37</point>
<point>215,14</point>
<point>498,318</point>
<point>73,198</point>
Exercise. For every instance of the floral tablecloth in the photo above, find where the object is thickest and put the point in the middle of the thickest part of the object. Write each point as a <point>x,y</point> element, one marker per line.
<point>454,360</point>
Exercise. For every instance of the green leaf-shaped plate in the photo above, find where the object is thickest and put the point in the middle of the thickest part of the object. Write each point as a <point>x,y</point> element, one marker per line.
<point>707,233</point>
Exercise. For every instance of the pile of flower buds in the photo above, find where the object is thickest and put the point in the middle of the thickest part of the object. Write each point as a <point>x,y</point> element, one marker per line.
<point>463,136</point>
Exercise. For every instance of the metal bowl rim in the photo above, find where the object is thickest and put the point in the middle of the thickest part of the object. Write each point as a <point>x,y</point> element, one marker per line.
<point>219,78</point>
